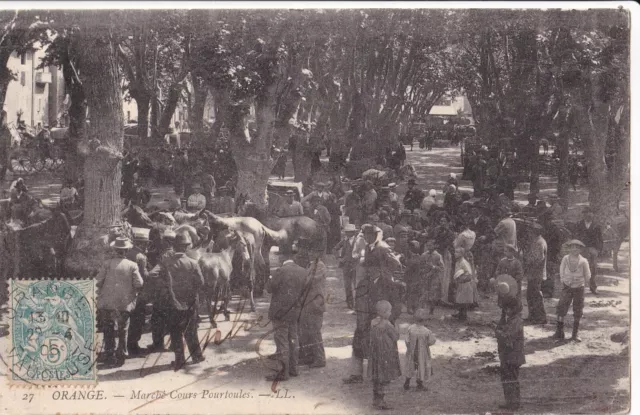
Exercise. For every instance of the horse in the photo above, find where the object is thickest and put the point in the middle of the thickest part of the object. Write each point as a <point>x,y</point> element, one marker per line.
<point>293,228</point>
<point>38,250</point>
<point>256,235</point>
<point>217,269</point>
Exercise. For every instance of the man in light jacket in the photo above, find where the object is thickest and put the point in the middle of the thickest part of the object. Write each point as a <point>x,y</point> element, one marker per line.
<point>118,283</point>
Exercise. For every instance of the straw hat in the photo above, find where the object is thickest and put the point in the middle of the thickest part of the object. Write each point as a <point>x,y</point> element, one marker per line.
<point>140,234</point>
<point>350,227</point>
<point>506,286</point>
<point>169,234</point>
<point>121,243</point>
<point>574,242</point>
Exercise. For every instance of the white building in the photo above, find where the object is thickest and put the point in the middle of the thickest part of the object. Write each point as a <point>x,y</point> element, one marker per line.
<point>29,93</point>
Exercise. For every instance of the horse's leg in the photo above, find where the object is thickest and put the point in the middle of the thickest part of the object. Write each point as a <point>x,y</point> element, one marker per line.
<point>225,304</point>
<point>251,302</point>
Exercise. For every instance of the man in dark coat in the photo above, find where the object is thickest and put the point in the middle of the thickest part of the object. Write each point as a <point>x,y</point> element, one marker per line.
<point>157,291</point>
<point>138,255</point>
<point>286,287</point>
<point>380,264</point>
<point>348,264</point>
<point>313,305</point>
<point>591,235</point>
<point>185,280</point>
<point>413,197</point>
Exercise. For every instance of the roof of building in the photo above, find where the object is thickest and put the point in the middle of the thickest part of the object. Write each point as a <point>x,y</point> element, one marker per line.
<point>443,110</point>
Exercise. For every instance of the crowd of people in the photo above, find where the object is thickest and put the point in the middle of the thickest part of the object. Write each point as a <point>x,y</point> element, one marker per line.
<point>415,252</point>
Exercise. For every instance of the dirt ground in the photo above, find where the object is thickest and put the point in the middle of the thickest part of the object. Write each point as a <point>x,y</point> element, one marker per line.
<point>588,377</point>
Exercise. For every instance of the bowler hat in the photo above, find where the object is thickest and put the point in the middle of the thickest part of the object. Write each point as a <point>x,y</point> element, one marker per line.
<point>368,228</point>
<point>182,239</point>
<point>290,192</point>
<point>392,185</point>
<point>121,243</point>
<point>506,286</point>
<point>411,181</point>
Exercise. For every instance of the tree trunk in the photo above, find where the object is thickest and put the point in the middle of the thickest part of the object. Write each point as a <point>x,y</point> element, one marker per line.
<point>196,112</point>
<point>74,162</point>
<point>103,153</point>
<point>142,102</point>
<point>593,124</point>
<point>534,163</point>
<point>302,157</point>
<point>253,154</point>
<point>562,144</point>
<point>155,112</point>
<point>169,109</point>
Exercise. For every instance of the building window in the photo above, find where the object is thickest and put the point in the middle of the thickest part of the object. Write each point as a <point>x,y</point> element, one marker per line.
<point>23,59</point>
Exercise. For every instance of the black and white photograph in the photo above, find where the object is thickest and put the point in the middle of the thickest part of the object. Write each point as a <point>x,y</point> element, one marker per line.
<point>316,208</point>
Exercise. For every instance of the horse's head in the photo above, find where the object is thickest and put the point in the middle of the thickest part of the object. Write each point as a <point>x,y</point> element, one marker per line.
<point>216,224</point>
<point>137,217</point>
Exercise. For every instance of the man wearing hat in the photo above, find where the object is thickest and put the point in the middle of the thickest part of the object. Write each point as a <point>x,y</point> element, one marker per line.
<point>394,200</point>
<point>344,248</point>
<point>379,264</point>
<point>291,207</point>
<point>591,236</point>
<point>223,202</point>
<point>369,198</point>
<point>118,283</point>
<point>535,262</point>
<point>510,336</point>
<point>511,265</point>
<point>401,232</point>
<point>413,197</point>
<point>313,305</point>
<point>185,280</point>
<point>157,290</point>
<point>575,274</point>
<point>382,221</point>
<point>138,255</point>
<point>286,286</point>
<point>196,201</point>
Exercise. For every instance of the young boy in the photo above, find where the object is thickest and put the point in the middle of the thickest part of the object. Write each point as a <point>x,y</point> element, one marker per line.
<point>384,361</point>
<point>418,356</point>
<point>434,266</point>
<point>510,336</point>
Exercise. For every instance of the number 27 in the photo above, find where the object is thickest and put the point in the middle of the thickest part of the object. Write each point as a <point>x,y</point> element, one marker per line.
<point>27,397</point>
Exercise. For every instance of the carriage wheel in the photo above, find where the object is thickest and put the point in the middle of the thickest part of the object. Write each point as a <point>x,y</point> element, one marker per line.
<point>25,164</point>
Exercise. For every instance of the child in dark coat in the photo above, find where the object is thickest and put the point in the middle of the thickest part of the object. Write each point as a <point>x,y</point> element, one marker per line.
<point>384,361</point>
<point>510,336</point>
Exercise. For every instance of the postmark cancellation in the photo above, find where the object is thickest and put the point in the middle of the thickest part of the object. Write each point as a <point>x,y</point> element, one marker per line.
<point>53,332</point>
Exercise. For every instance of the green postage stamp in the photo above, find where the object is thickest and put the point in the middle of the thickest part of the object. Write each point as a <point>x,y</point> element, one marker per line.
<point>53,332</point>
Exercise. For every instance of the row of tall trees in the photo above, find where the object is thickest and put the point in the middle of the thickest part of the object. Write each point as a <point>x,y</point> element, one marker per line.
<point>347,78</point>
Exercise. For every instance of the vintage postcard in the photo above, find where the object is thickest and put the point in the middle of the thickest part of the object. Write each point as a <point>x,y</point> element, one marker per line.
<point>316,207</point>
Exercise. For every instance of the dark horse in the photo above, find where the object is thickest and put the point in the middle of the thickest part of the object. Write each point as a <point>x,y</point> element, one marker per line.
<point>38,250</point>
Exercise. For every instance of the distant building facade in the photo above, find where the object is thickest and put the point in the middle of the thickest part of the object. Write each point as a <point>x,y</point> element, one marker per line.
<point>30,93</point>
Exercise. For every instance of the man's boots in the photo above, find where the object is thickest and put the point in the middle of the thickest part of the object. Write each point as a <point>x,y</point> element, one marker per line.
<point>574,333</point>
<point>559,334</point>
